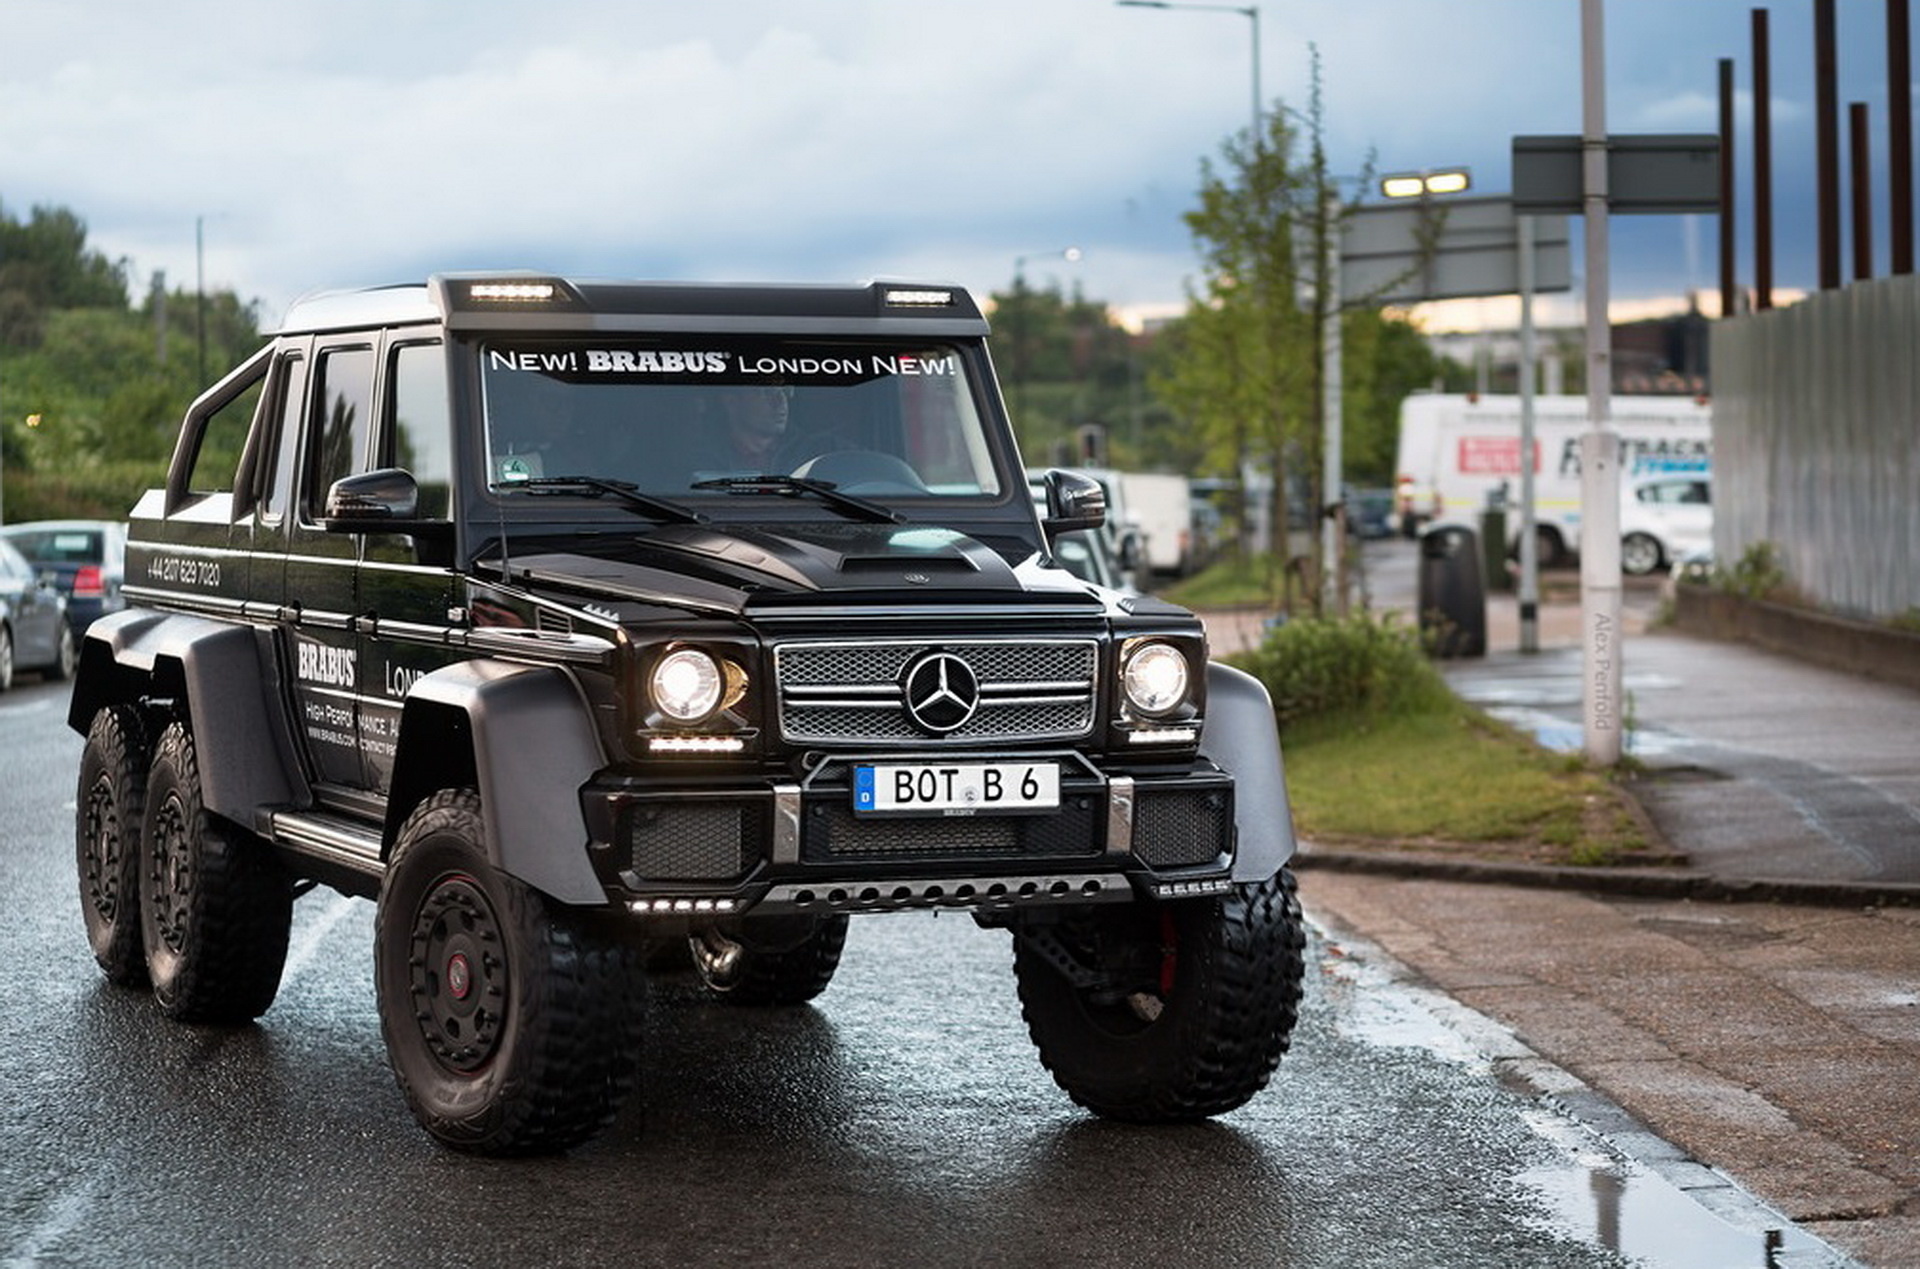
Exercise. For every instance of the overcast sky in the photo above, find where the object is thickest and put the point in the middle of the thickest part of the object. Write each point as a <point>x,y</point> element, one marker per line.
<point>362,141</point>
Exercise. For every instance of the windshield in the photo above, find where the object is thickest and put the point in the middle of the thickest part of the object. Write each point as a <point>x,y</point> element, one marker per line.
<point>686,416</point>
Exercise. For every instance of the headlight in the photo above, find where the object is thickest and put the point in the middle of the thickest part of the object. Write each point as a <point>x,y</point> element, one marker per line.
<point>687,685</point>
<point>1155,678</point>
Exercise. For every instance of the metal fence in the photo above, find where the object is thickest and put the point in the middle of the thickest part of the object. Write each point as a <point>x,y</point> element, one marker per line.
<point>1816,444</point>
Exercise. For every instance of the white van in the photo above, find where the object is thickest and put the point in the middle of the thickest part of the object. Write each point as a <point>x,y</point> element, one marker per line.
<point>1457,451</point>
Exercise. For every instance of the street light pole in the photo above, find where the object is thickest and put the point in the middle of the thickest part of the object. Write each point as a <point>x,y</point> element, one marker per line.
<point>1599,445</point>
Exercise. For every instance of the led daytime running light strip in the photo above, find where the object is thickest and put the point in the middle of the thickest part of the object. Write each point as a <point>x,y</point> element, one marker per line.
<point>695,744</point>
<point>1162,736</point>
<point>646,907</point>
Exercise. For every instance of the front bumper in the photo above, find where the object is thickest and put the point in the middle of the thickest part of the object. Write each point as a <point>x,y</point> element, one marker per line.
<point>722,849</point>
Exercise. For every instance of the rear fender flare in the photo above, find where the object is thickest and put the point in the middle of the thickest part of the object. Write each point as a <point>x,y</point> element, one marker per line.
<point>226,675</point>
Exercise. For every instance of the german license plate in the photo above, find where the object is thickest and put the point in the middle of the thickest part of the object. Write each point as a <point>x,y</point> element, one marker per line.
<point>961,788</point>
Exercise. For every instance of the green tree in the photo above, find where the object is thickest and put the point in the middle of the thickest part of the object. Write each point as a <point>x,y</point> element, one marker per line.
<point>1065,364</point>
<point>45,264</point>
<point>1384,358</point>
<point>91,390</point>
<point>1248,375</point>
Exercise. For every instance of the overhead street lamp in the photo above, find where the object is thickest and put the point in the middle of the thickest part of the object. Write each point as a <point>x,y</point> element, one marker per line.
<point>1250,12</point>
<point>1445,180</point>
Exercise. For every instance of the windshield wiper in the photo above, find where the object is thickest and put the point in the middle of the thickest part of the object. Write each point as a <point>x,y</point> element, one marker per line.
<point>625,490</point>
<point>787,485</point>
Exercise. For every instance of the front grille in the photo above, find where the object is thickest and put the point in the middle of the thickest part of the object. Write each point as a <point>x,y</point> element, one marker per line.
<point>1184,826</point>
<point>846,693</point>
<point>692,841</point>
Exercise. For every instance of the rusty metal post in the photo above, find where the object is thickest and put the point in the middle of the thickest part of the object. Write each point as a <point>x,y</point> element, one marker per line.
<point>1827,141</point>
<point>1900,134</point>
<point>1729,286</point>
<point>1862,192</point>
<point>1762,165</point>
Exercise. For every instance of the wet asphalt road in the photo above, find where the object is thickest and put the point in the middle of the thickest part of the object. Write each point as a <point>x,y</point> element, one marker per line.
<point>905,1118</point>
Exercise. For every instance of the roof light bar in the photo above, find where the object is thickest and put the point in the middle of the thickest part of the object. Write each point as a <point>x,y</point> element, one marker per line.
<point>511,291</point>
<point>920,299</point>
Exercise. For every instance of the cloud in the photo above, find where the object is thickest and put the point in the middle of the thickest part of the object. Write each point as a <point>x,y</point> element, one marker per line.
<point>365,141</point>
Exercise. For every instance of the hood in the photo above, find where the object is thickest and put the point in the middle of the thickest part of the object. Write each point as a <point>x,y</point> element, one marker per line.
<point>736,567</point>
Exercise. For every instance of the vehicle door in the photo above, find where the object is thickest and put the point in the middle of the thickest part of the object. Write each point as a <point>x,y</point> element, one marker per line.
<point>37,614</point>
<point>406,584</point>
<point>320,585</point>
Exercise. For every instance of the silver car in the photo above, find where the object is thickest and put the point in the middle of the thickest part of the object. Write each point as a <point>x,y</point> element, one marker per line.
<point>34,634</point>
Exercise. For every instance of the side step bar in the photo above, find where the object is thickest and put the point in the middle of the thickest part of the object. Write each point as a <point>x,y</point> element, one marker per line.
<point>330,837</point>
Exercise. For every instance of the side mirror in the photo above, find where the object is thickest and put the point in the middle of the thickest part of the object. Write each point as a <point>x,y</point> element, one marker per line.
<point>371,500</point>
<point>1074,501</point>
<point>385,500</point>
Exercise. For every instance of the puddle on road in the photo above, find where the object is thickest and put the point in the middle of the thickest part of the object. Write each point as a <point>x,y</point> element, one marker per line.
<point>1564,736</point>
<point>1617,1203</point>
<point>1594,1193</point>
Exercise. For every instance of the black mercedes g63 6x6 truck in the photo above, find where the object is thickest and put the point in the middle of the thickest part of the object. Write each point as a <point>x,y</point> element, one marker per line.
<point>573,620</point>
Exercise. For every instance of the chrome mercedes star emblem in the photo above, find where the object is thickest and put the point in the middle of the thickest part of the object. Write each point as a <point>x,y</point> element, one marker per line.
<point>941,693</point>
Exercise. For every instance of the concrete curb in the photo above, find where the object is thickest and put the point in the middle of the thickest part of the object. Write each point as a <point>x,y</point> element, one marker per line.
<point>1648,883</point>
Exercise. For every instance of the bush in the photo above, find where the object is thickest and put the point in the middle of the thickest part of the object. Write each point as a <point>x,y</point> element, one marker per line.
<point>1758,574</point>
<point>106,491</point>
<point>1356,665</point>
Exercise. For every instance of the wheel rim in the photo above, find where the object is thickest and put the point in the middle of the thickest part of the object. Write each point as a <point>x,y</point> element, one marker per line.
<point>101,861</point>
<point>1639,555</point>
<point>457,974</point>
<point>171,858</point>
<point>6,660</point>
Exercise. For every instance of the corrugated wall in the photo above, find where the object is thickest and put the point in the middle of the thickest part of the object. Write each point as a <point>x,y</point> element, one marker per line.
<point>1816,423</point>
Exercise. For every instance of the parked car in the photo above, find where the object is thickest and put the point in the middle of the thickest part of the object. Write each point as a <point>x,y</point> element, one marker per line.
<point>88,559</point>
<point>34,634</point>
<point>1369,512</point>
<point>1663,519</point>
<point>1089,556</point>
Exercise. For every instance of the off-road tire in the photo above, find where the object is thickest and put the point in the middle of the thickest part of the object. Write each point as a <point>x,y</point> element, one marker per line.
<point>511,1028</point>
<point>215,905</point>
<point>1200,1032</point>
<point>111,803</point>
<point>771,961</point>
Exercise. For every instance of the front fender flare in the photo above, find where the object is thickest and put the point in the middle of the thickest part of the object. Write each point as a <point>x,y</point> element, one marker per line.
<point>1242,738</point>
<point>523,735</point>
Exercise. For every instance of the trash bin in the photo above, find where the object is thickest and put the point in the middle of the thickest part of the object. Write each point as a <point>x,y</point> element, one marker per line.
<point>1453,598</point>
<point>1493,548</point>
<point>1493,539</point>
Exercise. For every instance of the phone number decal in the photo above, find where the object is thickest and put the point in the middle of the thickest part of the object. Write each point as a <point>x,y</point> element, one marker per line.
<point>181,570</point>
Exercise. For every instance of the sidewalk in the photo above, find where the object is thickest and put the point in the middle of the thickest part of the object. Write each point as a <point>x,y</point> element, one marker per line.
<point>1778,1041</point>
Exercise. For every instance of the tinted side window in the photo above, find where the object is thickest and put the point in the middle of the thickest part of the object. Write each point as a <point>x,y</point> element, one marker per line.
<point>343,420</point>
<point>293,399</point>
<point>422,423</point>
